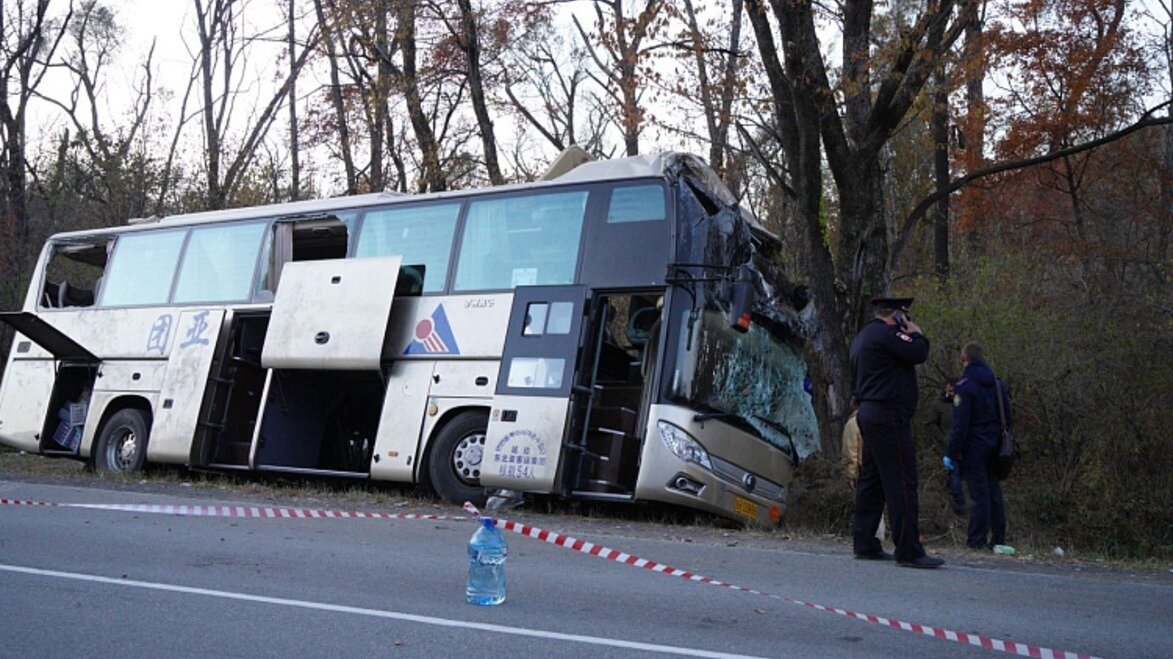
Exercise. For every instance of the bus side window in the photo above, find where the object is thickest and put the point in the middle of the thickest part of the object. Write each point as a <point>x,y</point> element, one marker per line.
<point>312,239</point>
<point>74,274</point>
<point>142,268</point>
<point>421,234</point>
<point>218,263</point>
<point>529,240</point>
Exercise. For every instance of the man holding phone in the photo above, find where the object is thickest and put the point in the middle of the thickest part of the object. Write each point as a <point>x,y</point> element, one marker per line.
<point>884,356</point>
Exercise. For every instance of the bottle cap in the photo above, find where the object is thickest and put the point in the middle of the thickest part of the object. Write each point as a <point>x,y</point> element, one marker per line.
<point>489,522</point>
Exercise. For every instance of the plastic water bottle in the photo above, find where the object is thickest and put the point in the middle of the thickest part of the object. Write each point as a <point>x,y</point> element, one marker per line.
<point>486,565</point>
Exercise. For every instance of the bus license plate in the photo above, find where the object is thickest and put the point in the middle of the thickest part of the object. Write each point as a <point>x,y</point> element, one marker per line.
<point>745,507</point>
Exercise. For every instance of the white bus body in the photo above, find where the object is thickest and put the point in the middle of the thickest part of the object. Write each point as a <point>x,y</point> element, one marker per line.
<point>555,338</point>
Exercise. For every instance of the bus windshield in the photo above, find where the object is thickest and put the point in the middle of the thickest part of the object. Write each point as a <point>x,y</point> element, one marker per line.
<point>754,379</point>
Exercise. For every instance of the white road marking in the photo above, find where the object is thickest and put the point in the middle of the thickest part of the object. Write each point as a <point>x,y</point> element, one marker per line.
<point>377,613</point>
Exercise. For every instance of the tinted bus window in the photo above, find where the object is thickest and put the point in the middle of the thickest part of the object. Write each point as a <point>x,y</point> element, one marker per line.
<point>218,263</point>
<point>142,268</point>
<point>639,203</point>
<point>521,241</point>
<point>421,234</point>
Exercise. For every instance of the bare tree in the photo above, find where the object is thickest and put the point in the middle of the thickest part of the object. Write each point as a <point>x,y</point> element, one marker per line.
<point>28,40</point>
<point>294,133</point>
<point>716,97</point>
<point>221,57</point>
<point>405,38</point>
<point>939,130</point>
<point>470,43</point>
<point>334,46</point>
<point>355,32</point>
<point>618,50</point>
<point>114,179</point>
<point>810,124</point>
<point>545,85</point>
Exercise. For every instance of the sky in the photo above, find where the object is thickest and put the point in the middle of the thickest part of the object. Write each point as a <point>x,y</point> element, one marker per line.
<point>168,22</point>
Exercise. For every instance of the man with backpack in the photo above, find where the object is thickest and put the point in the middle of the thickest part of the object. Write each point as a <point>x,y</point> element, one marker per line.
<point>974,443</point>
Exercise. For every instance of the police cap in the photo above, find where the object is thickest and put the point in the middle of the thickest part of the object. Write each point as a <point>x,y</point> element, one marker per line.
<point>896,303</point>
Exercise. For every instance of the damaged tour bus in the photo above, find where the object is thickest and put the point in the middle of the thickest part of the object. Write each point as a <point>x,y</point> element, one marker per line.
<point>613,333</point>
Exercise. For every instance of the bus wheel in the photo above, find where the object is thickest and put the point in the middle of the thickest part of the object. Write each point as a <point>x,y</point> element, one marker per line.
<point>122,442</point>
<point>454,466</point>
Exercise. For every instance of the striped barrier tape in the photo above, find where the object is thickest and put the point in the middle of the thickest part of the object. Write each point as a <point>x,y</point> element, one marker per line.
<point>582,546</point>
<point>267,512</point>
<point>574,544</point>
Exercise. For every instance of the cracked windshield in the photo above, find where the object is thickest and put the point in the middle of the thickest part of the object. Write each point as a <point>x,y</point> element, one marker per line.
<point>755,376</point>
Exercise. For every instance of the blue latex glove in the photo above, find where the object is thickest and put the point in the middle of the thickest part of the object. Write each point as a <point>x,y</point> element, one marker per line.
<point>949,463</point>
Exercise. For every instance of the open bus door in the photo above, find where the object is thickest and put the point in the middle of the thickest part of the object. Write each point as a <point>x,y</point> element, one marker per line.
<point>66,384</point>
<point>536,389</point>
<point>323,352</point>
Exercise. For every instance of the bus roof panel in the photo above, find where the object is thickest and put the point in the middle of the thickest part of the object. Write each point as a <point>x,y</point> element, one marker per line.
<point>634,167</point>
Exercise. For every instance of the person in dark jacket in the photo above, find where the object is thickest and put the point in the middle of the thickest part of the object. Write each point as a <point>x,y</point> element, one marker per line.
<point>973,446</point>
<point>884,356</point>
<point>940,422</point>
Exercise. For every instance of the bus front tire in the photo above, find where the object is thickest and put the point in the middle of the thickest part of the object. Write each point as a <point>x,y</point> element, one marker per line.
<point>454,467</point>
<point>122,442</point>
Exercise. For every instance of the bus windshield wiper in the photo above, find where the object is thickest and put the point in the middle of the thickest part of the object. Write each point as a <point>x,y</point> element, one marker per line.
<point>735,420</point>
<point>706,416</point>
<point>786,433</point>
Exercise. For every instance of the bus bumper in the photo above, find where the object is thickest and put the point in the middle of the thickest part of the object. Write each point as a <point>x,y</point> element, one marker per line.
<point>745,478</point>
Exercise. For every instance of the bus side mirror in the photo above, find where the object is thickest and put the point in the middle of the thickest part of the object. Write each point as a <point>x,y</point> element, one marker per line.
<point>741,297</point>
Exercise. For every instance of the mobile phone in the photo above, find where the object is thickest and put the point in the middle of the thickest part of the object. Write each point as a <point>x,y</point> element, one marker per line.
<point>900,320</point>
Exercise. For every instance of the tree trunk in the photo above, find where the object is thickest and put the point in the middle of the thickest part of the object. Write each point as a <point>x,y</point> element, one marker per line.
<point>863,245</point>
<point>1166,212</point>
<point>472,51</point>
<point>336,99</point>
<point>728,89</point>
<point>380,124</point>
<point>797,113</point>
<point>939,129</point>
<point>433,178</point>
<point>31,47</point>
<point>208,24</point>
<point>630,111</point>
<point>975,102</point>
<point>294,148</point>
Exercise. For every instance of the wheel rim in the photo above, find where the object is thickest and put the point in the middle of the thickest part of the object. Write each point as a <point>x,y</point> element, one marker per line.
<point>467,457</point>
<point>122,451</point>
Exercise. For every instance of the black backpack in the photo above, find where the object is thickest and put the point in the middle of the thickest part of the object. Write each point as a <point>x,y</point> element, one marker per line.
<point>1007,448</point>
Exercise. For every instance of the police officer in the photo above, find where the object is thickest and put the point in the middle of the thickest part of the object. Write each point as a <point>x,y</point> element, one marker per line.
<point>973,446</point>
<point>883,359</point>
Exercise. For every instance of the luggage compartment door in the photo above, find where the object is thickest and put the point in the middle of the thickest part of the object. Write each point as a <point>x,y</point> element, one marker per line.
<point>44,402</point>
<point>48,337</point>
<point>331,314</point>
<point>535,388</point>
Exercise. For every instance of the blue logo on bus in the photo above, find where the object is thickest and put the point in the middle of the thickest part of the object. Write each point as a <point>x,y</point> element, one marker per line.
<point>433,336</point>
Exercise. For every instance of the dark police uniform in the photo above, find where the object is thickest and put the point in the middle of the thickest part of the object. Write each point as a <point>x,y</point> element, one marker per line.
<point>973,445</point>
<point>883,360</point>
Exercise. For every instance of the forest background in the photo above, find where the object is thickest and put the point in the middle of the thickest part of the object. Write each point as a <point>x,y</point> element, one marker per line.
<point>1007,162</point>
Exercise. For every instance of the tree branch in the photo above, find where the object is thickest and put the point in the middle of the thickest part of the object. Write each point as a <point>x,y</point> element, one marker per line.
<point>1147,120</point>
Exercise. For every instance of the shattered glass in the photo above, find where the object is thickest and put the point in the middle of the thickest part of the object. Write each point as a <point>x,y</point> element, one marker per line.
<point>757,376</point>
<point>753,376</point>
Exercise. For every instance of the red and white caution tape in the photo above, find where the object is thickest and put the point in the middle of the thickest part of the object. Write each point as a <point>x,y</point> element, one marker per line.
<point>267,512</point>
<point>574,544</point>
<point>582,546</point>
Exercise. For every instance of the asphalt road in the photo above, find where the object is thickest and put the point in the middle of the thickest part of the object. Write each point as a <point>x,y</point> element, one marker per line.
<point>86,582</point>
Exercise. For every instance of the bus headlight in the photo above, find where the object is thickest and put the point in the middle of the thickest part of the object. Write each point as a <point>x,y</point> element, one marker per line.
<point>683,446</point>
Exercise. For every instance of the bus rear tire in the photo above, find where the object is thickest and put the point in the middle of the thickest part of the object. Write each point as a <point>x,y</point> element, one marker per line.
<point>454,464</point>
<point>122,442</point>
